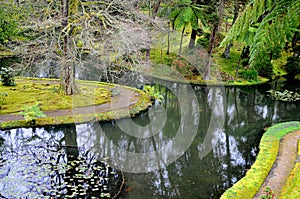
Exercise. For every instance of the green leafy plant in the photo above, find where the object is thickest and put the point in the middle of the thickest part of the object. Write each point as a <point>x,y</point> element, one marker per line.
<point>8,77</point>
<point>249,74</point>
<point>150,90</point>
<point>3,95</point>
<point>287,96</point>
<point>292,67</point>
<point>31,113</point>
<point>269,194</point>
<point>8,22</point>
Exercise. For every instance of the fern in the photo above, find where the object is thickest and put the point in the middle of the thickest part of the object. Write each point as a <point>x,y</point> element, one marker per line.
<point>185,13</point>
<point>277,26</point>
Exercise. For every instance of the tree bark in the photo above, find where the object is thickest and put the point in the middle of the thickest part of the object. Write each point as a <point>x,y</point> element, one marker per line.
<point>193,39</point>
<point>168,45</point>
<point>155,10</point>
<point>68,84</point>
<point>226,53</point>
<point>210,50</point>
<point>220,12</point>
<point>181,39</point>
<point>193,34</point>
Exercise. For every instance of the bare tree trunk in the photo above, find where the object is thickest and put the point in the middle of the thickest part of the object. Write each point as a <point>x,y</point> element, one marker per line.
<point>155,10</point>
<point>220,12</point>
<point>181,39</point>
<point>210,50</point>
<point>168,48</point>
<point>193,34</point>
<point>68,83</point>
<point>64,23</point>
<point>226,53</point>
<point>17,2</point>
<point>212,39</point>
<point>193,39</point>
<point>239,62</point>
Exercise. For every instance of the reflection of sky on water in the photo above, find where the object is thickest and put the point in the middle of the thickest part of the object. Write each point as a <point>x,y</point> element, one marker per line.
<point>230,126</point>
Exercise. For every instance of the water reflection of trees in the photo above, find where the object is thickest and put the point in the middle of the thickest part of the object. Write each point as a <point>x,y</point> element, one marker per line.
<point>234,145</point>
<point>231,139</point>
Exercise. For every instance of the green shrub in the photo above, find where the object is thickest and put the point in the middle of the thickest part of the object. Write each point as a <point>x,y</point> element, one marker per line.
<point>31,113</point>
<point>292,67</point>
<point>286,95</point>
<point>249,74</point>
<point>264,68</point>
<point>150,90</point>
<point>203,41</point>
<point>8,77</point>
<point>3,95</point>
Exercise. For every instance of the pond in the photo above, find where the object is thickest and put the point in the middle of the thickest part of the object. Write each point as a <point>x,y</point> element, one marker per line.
<point>196,144</point>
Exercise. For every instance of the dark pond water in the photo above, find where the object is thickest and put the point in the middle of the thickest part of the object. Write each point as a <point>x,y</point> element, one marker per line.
<point>195,145</point>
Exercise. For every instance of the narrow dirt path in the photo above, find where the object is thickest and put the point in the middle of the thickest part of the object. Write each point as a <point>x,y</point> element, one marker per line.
<point>283,166</point>
<point>122,101</point>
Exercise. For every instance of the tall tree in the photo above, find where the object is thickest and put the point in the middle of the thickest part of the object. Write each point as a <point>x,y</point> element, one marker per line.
<point>194,30</point>
<point>186,13</point>
<point>69,10</point>
<point>73,34</point>
<point>215,23</point>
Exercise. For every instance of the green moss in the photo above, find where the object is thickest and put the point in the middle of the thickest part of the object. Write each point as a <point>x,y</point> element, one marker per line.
<point>228,65</point>
<point>291,188</point>
<point>163,68</point>
<point>249,185</point>
<point>299,147</point>
<point>142,104</point>
<point>5,53</point>
<point>47,93</point>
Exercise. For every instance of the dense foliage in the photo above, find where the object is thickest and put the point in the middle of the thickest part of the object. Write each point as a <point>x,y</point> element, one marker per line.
<point>8,22</point>
<point>8,76</point>
<point>266,27</point>
<point>63,37</point>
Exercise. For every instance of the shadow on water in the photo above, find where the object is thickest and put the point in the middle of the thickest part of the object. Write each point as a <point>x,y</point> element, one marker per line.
<point>70,159</point>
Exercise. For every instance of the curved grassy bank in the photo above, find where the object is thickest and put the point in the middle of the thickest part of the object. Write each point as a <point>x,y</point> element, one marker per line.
<point>141,104</point>
<point>291,188</point>
<point>249,185</point>
<point>174,76</point>
<point>46,92</point>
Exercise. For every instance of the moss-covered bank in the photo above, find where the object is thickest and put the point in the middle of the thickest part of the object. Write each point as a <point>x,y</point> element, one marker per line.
<point>249,185</point>
<point>97,96</point>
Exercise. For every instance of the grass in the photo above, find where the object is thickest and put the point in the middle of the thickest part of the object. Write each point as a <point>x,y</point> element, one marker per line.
<point>142,104</point>
<point>5,52</point>
<point>299,147</point>
<point>291,188</point>
<point>228,65</point>
<point>249,185</point>
<point>222,70</point>
<point>46,93</point>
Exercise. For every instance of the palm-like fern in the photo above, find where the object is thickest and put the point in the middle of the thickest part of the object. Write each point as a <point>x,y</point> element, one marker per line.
<point>186,13</point>
<point>265,26</point>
